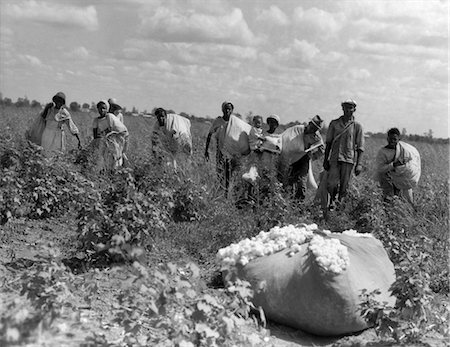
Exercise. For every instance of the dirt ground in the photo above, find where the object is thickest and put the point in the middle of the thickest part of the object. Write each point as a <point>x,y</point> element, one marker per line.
<point>23,242</point>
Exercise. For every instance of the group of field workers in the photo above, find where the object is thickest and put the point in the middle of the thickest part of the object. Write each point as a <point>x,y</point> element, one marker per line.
<point>261,152</point>
<point>287,155</point>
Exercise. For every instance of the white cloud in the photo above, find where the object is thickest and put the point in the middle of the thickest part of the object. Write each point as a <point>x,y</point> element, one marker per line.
<point>390,49</point>
<point>52,13</point>
<point>274,16</point>
<point>299,50</point>
<point>318,22</point>
<point>31,60</point>
<point>169,25</point>
<point>360,74</point>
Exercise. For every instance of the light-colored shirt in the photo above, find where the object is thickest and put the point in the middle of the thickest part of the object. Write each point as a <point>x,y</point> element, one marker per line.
<point>108,124</point>
<point>345,147</point>
<point>255,138</point>
<point>385,160</point>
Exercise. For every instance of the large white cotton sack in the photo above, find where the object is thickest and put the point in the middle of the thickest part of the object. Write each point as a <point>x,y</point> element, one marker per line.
<point>296,291</point>
<point>293,146</point>
<point>182,128</point>
<point>406,176</point>
<point>233,139</point>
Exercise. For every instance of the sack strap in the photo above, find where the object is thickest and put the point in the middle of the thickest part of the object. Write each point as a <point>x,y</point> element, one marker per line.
<point>338,136</point>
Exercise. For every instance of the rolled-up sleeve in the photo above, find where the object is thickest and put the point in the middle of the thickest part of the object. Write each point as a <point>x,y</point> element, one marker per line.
<point>359,138</point>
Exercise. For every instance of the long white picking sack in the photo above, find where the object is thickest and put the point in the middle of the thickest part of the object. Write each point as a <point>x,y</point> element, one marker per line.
<point>293,149</point>
<point>182,127</point>
<point>235,137</point>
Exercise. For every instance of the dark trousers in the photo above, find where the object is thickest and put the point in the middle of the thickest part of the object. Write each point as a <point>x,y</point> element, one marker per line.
<point>298,175</point>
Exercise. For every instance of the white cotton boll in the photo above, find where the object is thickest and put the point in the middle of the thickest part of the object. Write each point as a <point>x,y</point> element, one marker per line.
<point>266,243</point>
<point>244,260</point>
<point>251,175</point>
<point>329,254</point>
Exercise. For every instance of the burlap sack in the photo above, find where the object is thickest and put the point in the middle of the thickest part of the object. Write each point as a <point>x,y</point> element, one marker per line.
<point>295,291</point>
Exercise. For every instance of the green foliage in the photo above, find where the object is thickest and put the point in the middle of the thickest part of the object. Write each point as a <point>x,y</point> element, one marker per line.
<point>34,186</point>
<point>118,219</point>
<point>46,289</point>
<point>170,305</point>
<point>414,314</point>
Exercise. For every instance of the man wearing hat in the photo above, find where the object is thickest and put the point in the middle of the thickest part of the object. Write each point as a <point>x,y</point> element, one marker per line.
<point>343,152</point>
<point>298,171</point>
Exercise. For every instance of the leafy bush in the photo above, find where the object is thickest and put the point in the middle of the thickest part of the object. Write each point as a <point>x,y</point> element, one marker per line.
<point>178,310</point>
<point>46,288</point>
<point>119,219</point>
<point>34,186</point>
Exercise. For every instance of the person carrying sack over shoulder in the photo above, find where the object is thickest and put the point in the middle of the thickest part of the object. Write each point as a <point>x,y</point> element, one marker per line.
<point>397,168</point>
<point>300,169</point>
<point>343,152</point>
<point>56,116</point>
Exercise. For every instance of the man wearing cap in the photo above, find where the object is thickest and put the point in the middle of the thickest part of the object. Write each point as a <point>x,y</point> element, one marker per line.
<point>343,152</point>
<point>313,144</point>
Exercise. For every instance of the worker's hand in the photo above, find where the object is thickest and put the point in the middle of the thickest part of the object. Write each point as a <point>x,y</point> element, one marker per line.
<point>398,163</point>
<point>207,155</point>
<point>326,165</point>
<point>358,169</point>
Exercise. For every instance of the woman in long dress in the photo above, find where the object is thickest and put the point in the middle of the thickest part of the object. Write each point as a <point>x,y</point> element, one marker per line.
<point>111,134</point>
<point>56,118</point>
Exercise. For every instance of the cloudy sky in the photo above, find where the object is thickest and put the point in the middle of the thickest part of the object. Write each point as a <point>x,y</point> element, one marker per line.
<point>292,58</point>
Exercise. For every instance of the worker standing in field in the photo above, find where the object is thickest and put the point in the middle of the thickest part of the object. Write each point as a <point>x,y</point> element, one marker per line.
<point>57,116</point>
<point>343,152</point>
<point>313,144</point>
<point>398,167</point>
<point>224,166</point>
<point>116,110</point>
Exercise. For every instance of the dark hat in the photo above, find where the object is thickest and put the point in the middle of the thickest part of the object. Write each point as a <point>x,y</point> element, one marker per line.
<point>60,95</point>
<point>317,121</point>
